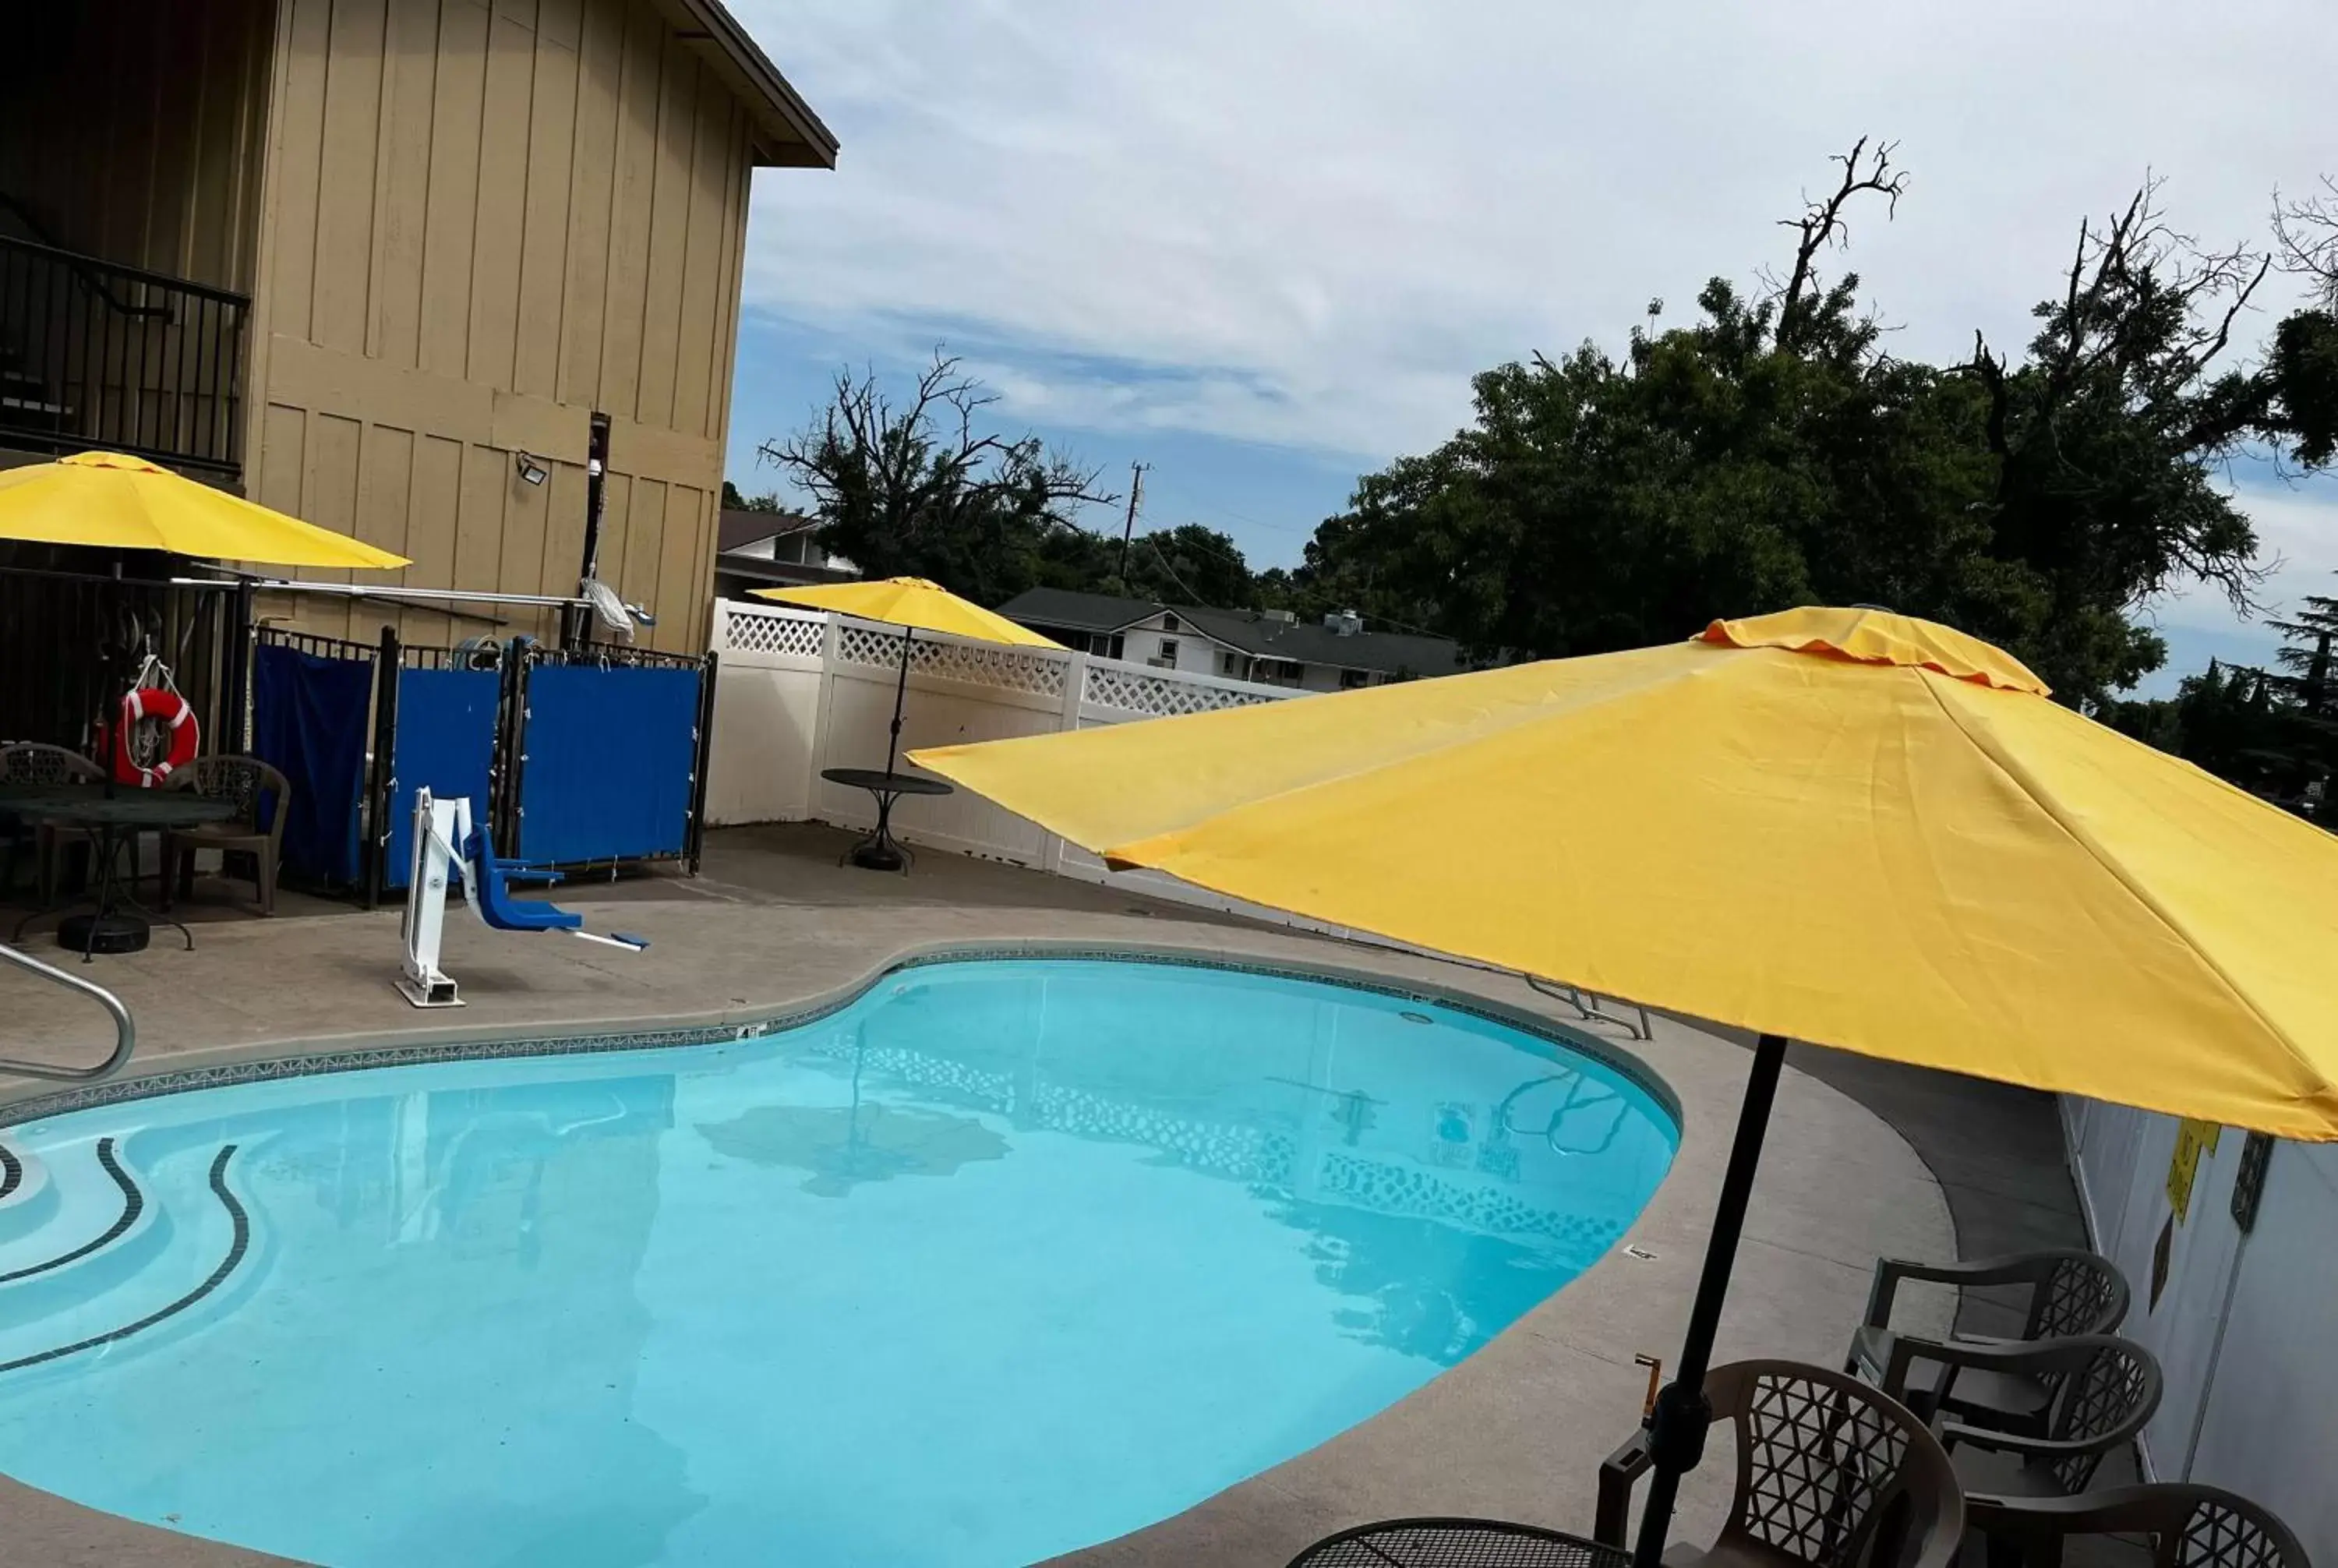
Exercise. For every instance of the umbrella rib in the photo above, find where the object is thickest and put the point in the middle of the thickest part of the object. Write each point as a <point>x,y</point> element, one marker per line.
<point>2022,781</point>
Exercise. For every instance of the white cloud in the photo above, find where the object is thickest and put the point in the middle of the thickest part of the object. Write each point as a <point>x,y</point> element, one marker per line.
<point>1308,221</point>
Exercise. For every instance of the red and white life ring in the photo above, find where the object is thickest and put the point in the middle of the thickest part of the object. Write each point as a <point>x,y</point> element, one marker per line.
<point>160,703</point>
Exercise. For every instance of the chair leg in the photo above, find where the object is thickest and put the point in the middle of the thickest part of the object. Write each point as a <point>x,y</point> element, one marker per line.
<point>263,865</point>
<point>2003,1551</point>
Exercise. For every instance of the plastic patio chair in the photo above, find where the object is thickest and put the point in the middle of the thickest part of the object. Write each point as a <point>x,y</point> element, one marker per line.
<point>250,784</point>
<point>2070,1292</point>
<point>2105,1390</point>
<point>35,762</point>
<point>2185,1525</point>
<point>1831,1472</point>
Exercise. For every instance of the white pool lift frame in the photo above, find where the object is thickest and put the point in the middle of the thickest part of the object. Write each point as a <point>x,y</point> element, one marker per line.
<point>446,845</point>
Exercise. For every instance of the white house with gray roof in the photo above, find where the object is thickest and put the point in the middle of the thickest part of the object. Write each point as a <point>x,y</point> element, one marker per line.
<point>1271,646</point>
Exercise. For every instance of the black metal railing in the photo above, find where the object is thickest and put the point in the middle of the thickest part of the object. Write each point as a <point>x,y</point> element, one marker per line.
<point>97,354</point>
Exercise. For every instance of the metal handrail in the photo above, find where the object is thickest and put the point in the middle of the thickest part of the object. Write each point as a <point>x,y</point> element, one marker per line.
<point>1572,996</point>
<point>125,1032</point>
<point>93,272</point>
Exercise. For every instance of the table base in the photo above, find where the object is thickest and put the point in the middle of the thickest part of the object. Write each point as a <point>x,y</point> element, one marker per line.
<point>92,934</point>
<point>879,854</point>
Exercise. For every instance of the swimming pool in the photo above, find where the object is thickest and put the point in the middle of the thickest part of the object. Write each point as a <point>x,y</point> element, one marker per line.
<point>1001,1259</point>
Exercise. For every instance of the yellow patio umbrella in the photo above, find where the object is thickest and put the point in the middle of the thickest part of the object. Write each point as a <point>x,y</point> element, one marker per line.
<point>1846,827</point>
<point>915,606</point>
<point>111,501</point>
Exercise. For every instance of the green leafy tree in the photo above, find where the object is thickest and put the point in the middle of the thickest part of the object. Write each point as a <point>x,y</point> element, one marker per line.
<point>735,502</point>
<point>1772,452</point>
<point>1187,564</point>
<point>2307,740</point>
<point>2225,719</point>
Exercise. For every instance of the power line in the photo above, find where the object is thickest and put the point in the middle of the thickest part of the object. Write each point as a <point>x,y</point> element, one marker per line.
<point>1150,540</point>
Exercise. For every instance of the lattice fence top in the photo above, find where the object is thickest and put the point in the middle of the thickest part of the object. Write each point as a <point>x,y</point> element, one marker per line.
<point>773,631</point>
<point>1135,691</point>
<point>974,663</point>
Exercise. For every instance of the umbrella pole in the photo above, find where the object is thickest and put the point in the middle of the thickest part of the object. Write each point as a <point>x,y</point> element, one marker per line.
<point>1678,1426</point>
<point>900,692</point>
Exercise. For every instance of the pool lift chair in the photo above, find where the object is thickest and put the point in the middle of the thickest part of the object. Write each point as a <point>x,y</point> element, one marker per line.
<point>439,827</point>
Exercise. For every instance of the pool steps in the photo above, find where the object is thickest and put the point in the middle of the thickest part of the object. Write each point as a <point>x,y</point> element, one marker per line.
<point>86,1259</point>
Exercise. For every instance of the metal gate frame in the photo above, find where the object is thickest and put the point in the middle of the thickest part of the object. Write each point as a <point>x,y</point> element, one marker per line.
<point>381,782</point>
<point>525,655</point>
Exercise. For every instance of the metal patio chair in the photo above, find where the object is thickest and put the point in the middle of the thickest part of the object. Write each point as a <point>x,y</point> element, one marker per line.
<point>1831,1472</point>
<point>251,785</point>
<point>2184,1526</point>
<point>2069,1292</point>
<point>37,762</point>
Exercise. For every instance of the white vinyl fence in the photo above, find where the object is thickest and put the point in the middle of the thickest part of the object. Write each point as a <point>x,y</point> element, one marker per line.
<point>2242,1321</point>
<point>797,691</point>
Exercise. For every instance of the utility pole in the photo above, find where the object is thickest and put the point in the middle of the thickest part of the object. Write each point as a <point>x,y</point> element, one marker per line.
<point>1136,494</point>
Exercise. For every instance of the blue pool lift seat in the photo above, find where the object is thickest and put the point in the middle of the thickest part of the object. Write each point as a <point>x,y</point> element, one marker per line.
<point>491,890</point>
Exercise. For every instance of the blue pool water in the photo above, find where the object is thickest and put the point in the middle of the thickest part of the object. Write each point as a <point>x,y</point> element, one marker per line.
<point>1003,1258</point>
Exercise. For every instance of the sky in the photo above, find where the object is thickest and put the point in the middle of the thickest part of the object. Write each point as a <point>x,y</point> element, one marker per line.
<point>1262,245</point>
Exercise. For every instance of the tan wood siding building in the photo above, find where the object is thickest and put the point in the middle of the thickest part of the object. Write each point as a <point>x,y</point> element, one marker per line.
<point>482,222</point>
<point>464,226</point>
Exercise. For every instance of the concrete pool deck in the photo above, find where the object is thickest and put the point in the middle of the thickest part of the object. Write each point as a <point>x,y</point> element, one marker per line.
<point>1518,1431</point>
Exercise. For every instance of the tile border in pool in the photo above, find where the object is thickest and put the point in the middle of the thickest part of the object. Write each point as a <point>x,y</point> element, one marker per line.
<point>291,1060</point>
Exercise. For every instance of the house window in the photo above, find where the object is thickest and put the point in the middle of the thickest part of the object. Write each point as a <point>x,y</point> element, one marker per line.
<point>1169,652</point>
<point>1352,679</point>
<point>1112,647</point>
<point>1285,671</point>
<point>1230,664</point>
<point>1169,624</point>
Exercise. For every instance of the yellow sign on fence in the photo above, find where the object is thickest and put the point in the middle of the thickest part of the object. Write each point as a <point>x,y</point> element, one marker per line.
<point>2193,1140</point>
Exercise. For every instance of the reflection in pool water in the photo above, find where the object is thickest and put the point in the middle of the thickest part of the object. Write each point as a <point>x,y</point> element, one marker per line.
<point>1005,1258</point>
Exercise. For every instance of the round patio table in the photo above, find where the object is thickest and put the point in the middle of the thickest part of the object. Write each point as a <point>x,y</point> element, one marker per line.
<point>1458,1543</point>
<point>116,922</point>
<point>879,850</point>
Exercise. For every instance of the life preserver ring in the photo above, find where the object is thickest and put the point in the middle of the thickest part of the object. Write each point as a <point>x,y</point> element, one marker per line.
<point>162,703</point>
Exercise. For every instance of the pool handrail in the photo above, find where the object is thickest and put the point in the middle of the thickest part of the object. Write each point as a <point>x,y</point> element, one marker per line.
<point>125,1032</point>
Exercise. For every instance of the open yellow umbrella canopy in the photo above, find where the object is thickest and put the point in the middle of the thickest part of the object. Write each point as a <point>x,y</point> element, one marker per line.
<point>914,603</point>
<point>1845,827</point>
<point>113,502</point>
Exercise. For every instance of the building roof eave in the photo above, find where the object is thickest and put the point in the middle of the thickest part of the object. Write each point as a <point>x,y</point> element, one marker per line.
<point>792,135</point>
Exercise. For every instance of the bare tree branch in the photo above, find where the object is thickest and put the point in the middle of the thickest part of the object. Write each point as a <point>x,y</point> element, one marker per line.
<point>2306,233</point>
<point>1822,224</point>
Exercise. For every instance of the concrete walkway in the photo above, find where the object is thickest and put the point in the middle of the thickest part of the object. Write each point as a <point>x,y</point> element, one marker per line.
<point>1518,1431</point>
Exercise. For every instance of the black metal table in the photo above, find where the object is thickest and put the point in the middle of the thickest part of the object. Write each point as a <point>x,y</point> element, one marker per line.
<point>1458,1543</point>
<point>112,820</point>
<point>879,850</point>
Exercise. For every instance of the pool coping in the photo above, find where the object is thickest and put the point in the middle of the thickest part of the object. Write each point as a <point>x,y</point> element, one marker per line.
<point>278,1059</point>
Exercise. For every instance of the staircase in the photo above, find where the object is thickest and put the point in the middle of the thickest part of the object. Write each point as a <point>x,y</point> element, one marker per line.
<point>97,354</point>
<point>27,407</point>
<point>89,1258</point>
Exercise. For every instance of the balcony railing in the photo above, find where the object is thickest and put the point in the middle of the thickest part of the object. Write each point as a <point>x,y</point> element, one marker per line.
<point>97,354</point>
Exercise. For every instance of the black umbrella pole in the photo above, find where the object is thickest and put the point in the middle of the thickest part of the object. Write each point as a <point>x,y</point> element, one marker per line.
<point>901,694</point>
<point>1676,1429</point>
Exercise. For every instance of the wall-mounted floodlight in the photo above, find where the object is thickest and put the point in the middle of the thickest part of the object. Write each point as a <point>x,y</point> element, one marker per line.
<point>530,471</point>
